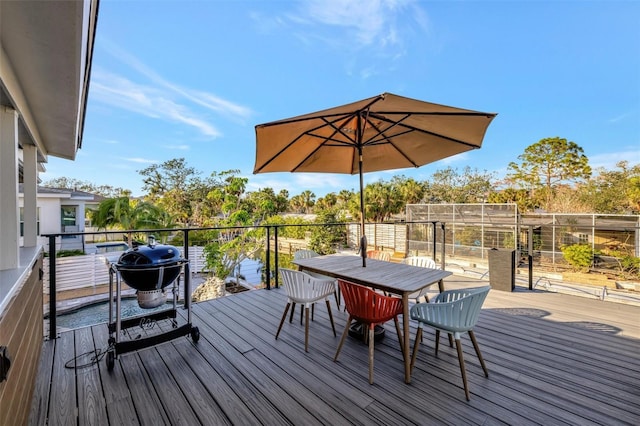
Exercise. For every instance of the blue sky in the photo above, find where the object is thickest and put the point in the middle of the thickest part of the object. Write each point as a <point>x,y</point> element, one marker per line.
<point>191,79</point>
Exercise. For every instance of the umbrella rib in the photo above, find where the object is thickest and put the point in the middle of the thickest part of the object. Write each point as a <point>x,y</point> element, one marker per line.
<point>308,132</point>
<point>329,138</point>
<point>373,139</point>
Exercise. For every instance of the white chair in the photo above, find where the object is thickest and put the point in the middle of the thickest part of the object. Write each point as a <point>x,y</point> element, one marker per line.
<point>379,255</point>
<point>306,290</point>
<point>306,254</point>
<point>454,312</point>
<point>423,262</point>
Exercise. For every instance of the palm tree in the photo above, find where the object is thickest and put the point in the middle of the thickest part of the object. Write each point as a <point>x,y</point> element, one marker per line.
<point>308,200</point>
<point>122,213</point>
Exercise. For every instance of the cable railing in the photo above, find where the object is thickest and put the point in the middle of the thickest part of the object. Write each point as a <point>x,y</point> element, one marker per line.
<point>273,246</point>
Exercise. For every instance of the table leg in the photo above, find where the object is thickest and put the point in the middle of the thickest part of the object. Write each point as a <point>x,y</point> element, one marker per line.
<point>405,337</point>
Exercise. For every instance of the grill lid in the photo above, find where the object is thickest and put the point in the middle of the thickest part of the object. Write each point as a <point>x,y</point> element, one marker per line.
<point>150,255</point>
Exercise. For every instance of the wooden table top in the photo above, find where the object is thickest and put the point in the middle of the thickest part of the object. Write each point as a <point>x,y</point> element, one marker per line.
<point>392,277</point>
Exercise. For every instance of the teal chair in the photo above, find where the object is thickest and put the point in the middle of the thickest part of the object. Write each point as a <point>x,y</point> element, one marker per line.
<point>453,312</point>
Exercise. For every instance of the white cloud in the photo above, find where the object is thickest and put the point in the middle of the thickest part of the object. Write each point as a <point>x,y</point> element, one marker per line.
<point>145,100</point>
<point>610,159</point>
<point>160,98</point>
<point>621,117</point>
<point>183,147</point>
<point>140,160</point>
<point>372,21</point>
<point>365,32</point>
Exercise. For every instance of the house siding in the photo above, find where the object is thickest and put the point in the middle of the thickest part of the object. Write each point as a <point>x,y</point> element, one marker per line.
<point>21,331</point>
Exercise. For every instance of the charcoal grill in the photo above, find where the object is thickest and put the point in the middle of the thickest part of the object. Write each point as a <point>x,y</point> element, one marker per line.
<point>153,270</point>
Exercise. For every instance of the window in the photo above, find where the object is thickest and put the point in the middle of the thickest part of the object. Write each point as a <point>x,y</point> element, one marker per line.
<point>22,221</point>
<point>68,220</point>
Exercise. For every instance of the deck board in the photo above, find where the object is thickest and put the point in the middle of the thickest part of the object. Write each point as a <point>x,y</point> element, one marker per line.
<point>552,359</point>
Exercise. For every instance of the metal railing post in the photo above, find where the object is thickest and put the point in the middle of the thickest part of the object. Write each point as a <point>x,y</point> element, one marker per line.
<point>275,238</point>
<point>187,273</point>
<point>434,241</point>
<point>52,287</point>
<point>268,258</point>
<point>444,246</point>
<point>530,255</point>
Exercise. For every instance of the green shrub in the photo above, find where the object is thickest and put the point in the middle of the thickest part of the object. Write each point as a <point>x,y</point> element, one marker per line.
<point>68,253</point>
<point>580,256</point>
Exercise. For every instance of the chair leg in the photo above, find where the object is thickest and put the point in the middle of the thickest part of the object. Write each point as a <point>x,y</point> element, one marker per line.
<point>462,370</point>
<point>306,329</point>
<point>337,295</point>
<point>416,346</point>
<point>333,327</point>
<point>301,313</point>
<point>477,348</point>
<point>400,337</point>
<point>313,306</point>
<point>344,335</point>
<point>371,345</point>
<point>437,341</point>
<point>293,309</point>
<point>284,315</point>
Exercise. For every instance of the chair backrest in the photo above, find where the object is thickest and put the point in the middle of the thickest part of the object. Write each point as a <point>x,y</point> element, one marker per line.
<point>465,306</point>
<point>379,255</point>
<point>303,288</point>
<point>367,306</point>
<point>421,261</point>
<point>304,254</point>
<point>294,283</point>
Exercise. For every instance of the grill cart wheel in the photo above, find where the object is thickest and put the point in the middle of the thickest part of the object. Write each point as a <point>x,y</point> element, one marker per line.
<point>195,334</point>
<point>111,360</point>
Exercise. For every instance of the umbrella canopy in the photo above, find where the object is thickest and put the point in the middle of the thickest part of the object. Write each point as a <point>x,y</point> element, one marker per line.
<point>384,132</point>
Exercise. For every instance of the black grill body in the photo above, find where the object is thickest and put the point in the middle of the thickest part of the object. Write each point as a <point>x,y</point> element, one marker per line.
<point>150,267</point>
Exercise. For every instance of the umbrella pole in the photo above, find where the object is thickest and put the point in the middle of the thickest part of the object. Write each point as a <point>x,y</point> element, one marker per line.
<point>363,237</point>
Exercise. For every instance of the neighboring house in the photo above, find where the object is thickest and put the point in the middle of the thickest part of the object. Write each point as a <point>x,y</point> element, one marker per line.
<point>46,50</point>
<point>60,210</point>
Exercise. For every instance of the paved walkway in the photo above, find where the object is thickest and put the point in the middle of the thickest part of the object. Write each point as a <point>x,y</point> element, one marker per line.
<point>555,285</point>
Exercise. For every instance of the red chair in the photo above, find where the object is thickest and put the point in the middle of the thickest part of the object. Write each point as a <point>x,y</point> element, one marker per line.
<point>369,308</point>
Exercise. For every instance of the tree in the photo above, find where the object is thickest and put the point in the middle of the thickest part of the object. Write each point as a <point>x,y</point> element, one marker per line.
<point>613,191</point>
<point>381,201</point>
<point>308,199</point>
<point>450,186</point>
<point>547,164</point>
<point>343,198</point>
<point>168,186</point>
<point>106,191</point>
<point>411,190</point>
<point>265,203</point>
<point>512,195</point>
<point>123,213</point>
<point>328,202</point>
<point>326,238</point>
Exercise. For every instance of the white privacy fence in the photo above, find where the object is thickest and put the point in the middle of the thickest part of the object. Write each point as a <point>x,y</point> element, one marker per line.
<point>92,270</point>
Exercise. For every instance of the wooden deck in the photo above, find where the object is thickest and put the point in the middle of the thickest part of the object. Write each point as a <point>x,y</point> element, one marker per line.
<point>552,359</point>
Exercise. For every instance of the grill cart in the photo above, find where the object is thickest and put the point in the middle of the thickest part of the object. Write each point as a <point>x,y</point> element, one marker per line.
<point>153,270</point>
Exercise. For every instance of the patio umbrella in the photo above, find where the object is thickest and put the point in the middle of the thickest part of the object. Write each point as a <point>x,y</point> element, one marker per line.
<point>384,132</point>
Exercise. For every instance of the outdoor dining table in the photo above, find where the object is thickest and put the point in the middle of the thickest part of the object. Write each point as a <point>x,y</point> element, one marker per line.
<point>396,278</point>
